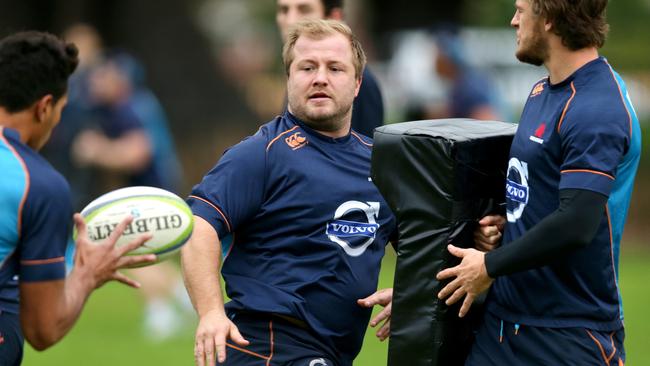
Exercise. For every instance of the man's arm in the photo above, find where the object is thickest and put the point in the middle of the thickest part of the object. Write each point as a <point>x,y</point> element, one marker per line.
<point>572,226</point>
<point>548,240</point>
<point>201,259</point>
<point>48,309</point>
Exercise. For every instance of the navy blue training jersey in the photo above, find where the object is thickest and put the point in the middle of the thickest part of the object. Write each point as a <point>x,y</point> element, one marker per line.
<point>35,213</point>
<point>309,227</point>
<point>582,133</point>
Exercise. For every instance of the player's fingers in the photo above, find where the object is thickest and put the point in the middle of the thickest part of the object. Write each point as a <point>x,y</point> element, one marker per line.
<point>220,346</point>
<point>484,246</point>
<point>384,331</point>
<point>135,260</point>
<point>447,273</point>
<point>134,244</point>
<point>208,350</point>
<point>199,356</point>
<point>384,314</point>
<point>119,229</point>
<point>457,295</point>
<point>488,230</point>
<point>456,251</point>
<point>237,337</point>
<point>117,276</point>
<point>80,224</point>
<point>449,289</point>
<point>381,297</point>
<point>467,303</point>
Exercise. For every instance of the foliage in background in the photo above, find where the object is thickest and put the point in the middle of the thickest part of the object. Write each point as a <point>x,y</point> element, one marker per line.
<point>628,45</point>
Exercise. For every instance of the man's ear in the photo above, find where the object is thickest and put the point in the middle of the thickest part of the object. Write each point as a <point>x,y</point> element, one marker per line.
<point>336,14</point>
<point>43,107</point>
<point>548,26</point>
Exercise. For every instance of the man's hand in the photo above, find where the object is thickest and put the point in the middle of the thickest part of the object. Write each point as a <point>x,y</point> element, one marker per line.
<point>384,298</point>
<point>98,262</point>
<point>471,278</point>
<point>487,235</point>
<point>211,334</point>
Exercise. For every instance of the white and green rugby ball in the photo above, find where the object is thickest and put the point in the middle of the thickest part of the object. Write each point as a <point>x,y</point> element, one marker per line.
<point>155,211</point>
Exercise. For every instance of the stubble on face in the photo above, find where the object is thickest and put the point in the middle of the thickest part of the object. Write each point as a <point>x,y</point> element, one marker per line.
<point>321,121</point>
<point>535,50</point>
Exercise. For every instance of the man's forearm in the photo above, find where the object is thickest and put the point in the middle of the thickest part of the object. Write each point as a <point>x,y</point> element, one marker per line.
<point>200,259</point>
<point>571,227</point>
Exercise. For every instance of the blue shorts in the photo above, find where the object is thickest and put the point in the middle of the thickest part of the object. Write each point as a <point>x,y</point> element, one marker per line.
<point>11,340</point>
<point>503,343</point>
<point>276,341</point>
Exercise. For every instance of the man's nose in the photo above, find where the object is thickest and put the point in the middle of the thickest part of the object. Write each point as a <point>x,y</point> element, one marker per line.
<point>320,77</point>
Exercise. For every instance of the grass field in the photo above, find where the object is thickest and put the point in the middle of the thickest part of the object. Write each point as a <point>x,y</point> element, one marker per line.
<point>109,333</point>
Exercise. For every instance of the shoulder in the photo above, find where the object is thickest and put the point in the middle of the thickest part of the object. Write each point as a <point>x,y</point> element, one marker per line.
<point>47,187</point>
<point>362,141</point>
<point>598,105</point>
<point>280,135</point>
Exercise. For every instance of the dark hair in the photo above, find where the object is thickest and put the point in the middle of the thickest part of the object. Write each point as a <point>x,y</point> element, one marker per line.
<point>330,5</point>
<point>32,65</point>
<point>580,23</point>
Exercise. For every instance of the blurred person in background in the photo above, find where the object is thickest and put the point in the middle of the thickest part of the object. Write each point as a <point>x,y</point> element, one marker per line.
<point>554,294</point>
<point>470,94</point>
<point>37,301</point>
<point>368,110</point>
<point>114,133</point>
<point>130,145</point>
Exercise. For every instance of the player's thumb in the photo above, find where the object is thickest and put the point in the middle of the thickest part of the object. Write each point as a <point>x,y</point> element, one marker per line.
<point>493,220</point>
<point>489,220</point>
<point>236,337</point>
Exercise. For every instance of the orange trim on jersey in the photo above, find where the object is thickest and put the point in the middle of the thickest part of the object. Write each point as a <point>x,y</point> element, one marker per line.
<point>587,171</point>
<point>27,179</point>
<point>279,136</point>
<point>620,92</point>
<point>602,350</point>
<point>216,208</point>
<point>268,362</point>
<point>35,262</point>
<point>611,339</point>
<point>360,139</point>
<point>611,250</point>
<point>566,107</point>
<point>248,352</point>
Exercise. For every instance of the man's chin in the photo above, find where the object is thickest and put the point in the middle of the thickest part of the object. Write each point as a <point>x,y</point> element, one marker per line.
<point>527,58</point>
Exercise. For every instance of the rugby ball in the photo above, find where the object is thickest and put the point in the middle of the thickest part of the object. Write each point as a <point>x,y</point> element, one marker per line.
<point>155,211</point>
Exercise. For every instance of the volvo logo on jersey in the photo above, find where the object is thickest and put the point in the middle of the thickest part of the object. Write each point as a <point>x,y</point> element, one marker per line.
<point>347,229</point>
<point>517,189</point>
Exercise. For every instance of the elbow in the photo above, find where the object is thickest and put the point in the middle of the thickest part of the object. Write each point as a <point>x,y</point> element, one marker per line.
<point>40,341</point>
<point>41,336</point>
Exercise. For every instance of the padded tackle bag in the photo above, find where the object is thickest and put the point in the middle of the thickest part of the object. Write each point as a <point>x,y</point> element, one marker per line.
<point>439,177</point>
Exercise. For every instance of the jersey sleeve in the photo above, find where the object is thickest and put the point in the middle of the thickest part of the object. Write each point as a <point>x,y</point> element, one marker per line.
<point>593,145</point>
<point>232,192</point>
<point>45,231</point>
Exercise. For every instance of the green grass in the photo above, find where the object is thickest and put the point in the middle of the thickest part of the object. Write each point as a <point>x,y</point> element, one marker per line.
<point>109,331</point>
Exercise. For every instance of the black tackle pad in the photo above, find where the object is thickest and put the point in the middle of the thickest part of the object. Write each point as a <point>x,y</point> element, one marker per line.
<point>439,177</point>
